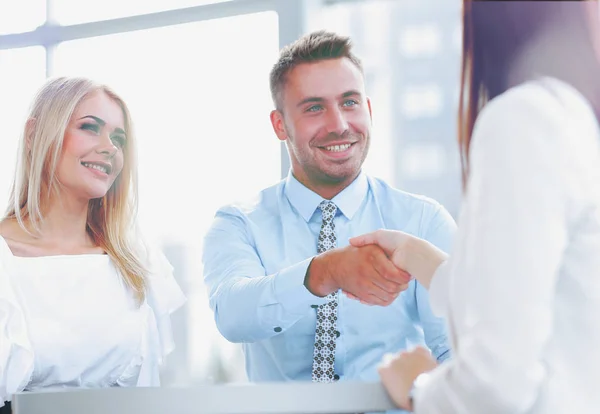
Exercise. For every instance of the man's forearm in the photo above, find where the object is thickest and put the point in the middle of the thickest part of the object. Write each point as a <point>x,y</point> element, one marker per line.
<point>252,309</point>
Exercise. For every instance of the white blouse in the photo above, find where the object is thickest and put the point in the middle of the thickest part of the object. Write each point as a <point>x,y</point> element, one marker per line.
<point>69,321</point>
<point>521,290</point>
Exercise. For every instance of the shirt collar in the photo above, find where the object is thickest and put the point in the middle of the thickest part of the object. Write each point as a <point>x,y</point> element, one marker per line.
<point>306,201</point>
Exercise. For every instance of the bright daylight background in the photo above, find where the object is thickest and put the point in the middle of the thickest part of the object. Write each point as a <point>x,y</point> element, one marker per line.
<point>195,75</point>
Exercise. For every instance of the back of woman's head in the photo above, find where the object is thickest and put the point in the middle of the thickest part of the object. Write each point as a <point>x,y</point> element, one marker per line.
<point>495,36</point>
<point>111,219</point>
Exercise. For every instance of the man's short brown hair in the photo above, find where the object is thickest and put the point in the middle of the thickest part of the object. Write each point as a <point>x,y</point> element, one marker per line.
<point>313,47</point>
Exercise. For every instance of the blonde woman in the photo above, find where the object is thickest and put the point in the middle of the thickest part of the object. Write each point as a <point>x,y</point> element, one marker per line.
<point>82,302</point>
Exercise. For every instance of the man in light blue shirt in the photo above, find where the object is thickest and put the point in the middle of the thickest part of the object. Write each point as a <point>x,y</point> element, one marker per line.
<point>274,264</point>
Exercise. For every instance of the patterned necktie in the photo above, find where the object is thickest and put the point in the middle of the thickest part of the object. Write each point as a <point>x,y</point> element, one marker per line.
<point>325,334</point>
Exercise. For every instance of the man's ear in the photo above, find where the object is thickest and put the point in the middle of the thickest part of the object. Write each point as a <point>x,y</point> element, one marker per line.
<point>278,124</point>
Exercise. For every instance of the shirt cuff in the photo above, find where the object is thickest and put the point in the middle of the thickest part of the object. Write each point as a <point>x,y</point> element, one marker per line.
<point>290,291</point>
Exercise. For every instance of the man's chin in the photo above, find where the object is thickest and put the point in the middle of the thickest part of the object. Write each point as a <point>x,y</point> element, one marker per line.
<point>339,177</point>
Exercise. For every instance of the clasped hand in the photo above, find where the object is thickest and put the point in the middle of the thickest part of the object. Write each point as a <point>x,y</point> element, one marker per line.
<point>375,268</point>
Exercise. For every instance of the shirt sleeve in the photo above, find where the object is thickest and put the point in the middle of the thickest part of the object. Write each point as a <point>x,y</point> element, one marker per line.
<point>250,305</point>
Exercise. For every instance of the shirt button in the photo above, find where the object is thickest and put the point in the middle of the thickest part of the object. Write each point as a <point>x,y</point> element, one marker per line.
<point>336,377</point>
<point>277,329</point>
<point>337,334</point>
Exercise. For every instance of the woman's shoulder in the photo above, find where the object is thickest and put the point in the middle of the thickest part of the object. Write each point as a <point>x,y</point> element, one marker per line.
<point>541,114</point>
<point>543,128</point>
<point>10,238</point>
<point>9,247</point>
<point>544,98</point>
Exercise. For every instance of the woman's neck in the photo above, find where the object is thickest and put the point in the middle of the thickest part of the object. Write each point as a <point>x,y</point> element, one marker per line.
<point>65,223</point>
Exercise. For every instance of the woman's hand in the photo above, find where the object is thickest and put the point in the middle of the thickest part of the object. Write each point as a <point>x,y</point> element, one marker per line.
<point>416,256</point>
<point>398,373</point>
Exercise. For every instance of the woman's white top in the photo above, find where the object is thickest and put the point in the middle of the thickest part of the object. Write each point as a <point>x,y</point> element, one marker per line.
<point>521,290</point>
<point>69,322</point>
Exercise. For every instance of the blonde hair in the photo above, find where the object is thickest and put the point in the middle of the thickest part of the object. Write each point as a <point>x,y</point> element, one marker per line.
<point>110,219</point>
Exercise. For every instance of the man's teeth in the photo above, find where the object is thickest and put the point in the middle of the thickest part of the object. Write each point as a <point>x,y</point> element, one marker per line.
<point>338,148</point>
<point>96,167</point>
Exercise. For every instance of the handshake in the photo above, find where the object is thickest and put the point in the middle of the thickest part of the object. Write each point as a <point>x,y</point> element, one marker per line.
<point>375,268</point>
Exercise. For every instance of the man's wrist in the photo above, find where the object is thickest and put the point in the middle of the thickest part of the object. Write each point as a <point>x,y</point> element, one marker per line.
<point>316,280</point>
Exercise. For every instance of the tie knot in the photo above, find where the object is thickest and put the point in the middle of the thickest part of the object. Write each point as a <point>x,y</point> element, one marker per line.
<point>328,208</point>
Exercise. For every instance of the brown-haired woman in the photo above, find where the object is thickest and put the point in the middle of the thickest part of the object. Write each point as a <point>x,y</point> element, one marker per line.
<point>521,289</point>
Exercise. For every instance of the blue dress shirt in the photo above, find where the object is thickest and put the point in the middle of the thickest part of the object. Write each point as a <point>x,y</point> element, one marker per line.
<point>255,259</point>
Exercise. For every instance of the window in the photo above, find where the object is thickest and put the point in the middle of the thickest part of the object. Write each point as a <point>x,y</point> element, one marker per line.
<point>21,16</point>
<point>421,41</point>
<point>201,110</point>
<point>83,11</point>
<point>457,38</point>
<point>422,101</point>
<point>423,161</point>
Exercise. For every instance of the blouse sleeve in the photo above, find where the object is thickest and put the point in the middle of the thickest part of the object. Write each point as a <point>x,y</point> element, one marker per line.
<point>163,297</point>
<point>16,352</point>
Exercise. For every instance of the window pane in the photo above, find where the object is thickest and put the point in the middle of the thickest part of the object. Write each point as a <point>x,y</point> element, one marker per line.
<point>81,11</point>
<point>199,96</point>
<point>22,71</point>
<point>419,41</point>
<point>21,16</point>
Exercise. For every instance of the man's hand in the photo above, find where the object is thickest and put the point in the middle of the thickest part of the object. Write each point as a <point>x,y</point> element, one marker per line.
<point>364,272</point>
<point>416,256</point>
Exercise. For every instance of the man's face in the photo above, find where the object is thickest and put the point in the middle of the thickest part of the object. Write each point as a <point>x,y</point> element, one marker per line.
<point>325,119</point>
